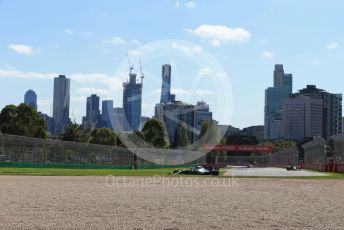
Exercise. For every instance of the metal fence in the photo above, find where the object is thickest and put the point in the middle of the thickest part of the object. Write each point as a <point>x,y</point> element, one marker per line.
<point>53,152</point>
<point>338,152</point>
<point>278,159</point>
<point>314,154</point>
<point>284,157</point>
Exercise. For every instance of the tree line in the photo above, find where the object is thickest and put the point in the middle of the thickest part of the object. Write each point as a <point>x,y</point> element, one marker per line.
<point>23,120</point>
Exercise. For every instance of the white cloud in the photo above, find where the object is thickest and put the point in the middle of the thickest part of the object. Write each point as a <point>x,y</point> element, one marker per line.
<point>136,42</point>
<point>28,75</point>
<point>69,31</point>
<point>23,49</point>
<point>134,53</point>
<point>112,81</point>
<point>92,90</point>
<point>116,40</point>
<point>208,72</point>
<point>82,33</point>
<point>332,45</point>
<point>218,34</point>
<point>190,4</point>
<point>268,54</point>
<point>204,71</point>
<point>188,49</point>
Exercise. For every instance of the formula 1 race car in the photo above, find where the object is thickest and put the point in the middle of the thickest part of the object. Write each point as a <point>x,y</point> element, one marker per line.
<point>198,170</point>
<point>293,168</point>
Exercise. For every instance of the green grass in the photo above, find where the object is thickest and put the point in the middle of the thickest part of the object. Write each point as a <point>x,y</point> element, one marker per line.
<point>129,172</point>
<point>85,172</point>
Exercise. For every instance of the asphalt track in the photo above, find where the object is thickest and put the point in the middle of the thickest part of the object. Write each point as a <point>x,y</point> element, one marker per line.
<point>270,172</point>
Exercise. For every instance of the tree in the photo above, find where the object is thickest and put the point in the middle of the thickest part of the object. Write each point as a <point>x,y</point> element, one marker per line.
<point>209,133</point>
<point>240,139</point>
<point>76,133</point>
<point>181,138</point>
<point>103,136</point>
<point>282,144</point>
<point>154,133</point>
<point>204,129</point>
<point>22,120</point>
<point>135,139</point>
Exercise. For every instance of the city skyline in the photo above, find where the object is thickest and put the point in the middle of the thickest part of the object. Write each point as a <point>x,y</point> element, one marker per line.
<point>90,48</point>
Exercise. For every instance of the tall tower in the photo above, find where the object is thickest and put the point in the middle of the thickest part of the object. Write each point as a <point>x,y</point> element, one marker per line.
<point>107,113</point>
<point>278,75</point>
<point>92,109</point>
<point>282,89</point>
<point>61,103</point>
<point>132,100</point>
<point>166,84</point>
<point>30,99</point>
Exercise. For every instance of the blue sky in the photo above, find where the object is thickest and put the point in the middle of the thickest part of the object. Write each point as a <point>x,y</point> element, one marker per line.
<point>222,52</point>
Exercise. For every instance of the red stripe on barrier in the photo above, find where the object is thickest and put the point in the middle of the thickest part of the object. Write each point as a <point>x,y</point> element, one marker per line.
<point>239,148</point>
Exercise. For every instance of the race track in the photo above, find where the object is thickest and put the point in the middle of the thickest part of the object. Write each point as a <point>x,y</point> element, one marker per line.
<point>270,172</point>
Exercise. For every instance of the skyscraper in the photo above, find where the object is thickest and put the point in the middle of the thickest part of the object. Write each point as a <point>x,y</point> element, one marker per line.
<point>301,117</point>
<point>166,84</point>
<point>282,89</point>
<point>177,114</point>
<point>117,119</point>
<point>92,111</point>
<point>30,99</point>
<point>272,111</point>
<point>332,109</point>
<point>132,100</point>
<point>107,113</point>
<point>61,103</point>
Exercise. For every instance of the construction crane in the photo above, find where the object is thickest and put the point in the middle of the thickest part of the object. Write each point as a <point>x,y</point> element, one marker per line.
<point>142,74</point>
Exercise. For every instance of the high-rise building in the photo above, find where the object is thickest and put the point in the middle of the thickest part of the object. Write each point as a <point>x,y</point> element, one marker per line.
<point>282,89</point>
<point>278,75</point>
<point>48,121</point>
<point>287,87</point>
<point>117,119</point>
<point>272,113</point>
<point>166,95</point>
<point>132,100</point>
<point>92,112</point>
<point>201,114</point>
<point>30,98</point>
<point>332,109</point>
<point>61,103</point>
<point>177,113</point>
<point>301,117</point>
<point>107,114</point>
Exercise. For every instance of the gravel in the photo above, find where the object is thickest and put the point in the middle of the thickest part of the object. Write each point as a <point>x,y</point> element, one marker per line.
<point>44,202</point>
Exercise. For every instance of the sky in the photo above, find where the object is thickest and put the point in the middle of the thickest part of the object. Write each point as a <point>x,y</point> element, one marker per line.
<point>221,52</point>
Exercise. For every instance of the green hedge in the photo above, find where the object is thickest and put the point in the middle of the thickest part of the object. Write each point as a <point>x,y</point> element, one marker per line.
<point>86,166</point>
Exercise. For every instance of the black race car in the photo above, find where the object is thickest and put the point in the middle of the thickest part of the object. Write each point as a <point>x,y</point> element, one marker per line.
<point>198,170</point>
<point>292,168</point>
